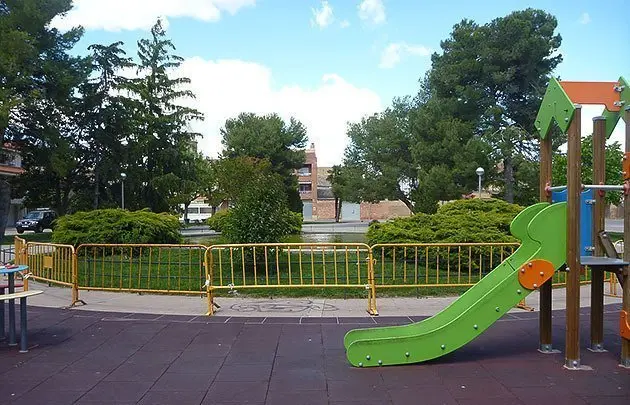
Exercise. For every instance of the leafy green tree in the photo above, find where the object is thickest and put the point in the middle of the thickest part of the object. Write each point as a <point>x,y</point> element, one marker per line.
<point>379,158</point>
<point>494,76</point>
<point>262,213</point>
<point>269,137</point>
<point>337,179</point>
<point>233,176</point>
<point>415,152</point>
<point>162,137</point>
<point>614,156</point>
<point>32,57</point>
<point>181,191</point>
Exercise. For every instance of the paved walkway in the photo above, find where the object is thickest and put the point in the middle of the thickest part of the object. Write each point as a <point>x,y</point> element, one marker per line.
<point>56,297</point>
<point>89,358</point>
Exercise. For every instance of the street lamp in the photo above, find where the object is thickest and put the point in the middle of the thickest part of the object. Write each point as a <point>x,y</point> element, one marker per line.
<point>123,176</point>
<point>480,173</point>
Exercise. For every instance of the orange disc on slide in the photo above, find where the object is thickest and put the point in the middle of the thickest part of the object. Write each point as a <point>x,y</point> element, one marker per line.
<point>624,325</point>
<point>534,273</point>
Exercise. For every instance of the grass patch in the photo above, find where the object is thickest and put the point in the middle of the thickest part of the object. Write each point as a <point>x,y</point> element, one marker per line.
<point>44,237</point>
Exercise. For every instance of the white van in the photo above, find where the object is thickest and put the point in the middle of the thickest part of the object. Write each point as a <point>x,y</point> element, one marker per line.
<point>197,213</point>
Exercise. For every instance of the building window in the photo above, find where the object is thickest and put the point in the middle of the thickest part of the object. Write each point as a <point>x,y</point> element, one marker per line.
<point>305,188</point>
<point>305,170</point>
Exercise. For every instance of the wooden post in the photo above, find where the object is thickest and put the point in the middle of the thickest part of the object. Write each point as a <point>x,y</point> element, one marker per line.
<point>597,277</point>
<point>574,190</point>
<point>625,343</point>
<point>545,344</point>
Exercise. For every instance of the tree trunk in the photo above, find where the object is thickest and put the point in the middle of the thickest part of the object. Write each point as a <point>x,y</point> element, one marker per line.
<point>5,205</point>
<point>402,197</point>
<point>339,214</point>
<point>508,172</point>
<point>336,209</point>
<point>186,205</point>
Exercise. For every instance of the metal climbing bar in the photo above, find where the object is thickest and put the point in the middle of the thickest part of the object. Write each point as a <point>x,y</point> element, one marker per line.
<point>605,187</point>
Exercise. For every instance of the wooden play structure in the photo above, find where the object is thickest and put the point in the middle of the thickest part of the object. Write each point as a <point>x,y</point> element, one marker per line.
<point>562,104</point>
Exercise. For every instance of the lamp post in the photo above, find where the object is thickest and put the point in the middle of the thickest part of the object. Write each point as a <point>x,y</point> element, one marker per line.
<point>480,173</point>
<point>123,176</point>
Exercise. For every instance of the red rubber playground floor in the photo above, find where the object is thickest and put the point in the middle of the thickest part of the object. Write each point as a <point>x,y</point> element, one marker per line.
<point>82,357</point>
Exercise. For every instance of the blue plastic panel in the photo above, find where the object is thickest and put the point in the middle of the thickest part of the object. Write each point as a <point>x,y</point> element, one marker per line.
<point>586,219</point>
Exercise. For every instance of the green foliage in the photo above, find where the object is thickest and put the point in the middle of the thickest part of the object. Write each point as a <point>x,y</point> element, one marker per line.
<point>415,152</point>
<point>218,221</point>
<point>460,221</point>
<point>261,214</point>
<point>295,220</point>
<point>269,137</point>
<point>494,76</point>
<point>116,226</point>
<point>233,176</point>
<point>614,156</point>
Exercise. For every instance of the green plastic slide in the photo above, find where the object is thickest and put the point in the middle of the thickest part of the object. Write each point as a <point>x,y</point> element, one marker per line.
<point>542,231</point>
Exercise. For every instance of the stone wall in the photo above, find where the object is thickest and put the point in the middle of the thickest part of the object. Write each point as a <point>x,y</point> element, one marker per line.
<point>383,210</point>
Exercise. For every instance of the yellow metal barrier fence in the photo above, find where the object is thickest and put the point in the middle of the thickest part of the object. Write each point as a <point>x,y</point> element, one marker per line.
<point>195,269</point>
<point>289,266</point>
<point>170,269</point>
<point>436,265</point>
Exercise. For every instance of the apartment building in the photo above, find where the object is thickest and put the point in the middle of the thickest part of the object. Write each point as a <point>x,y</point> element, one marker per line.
<point>11,165</point>
<point>319,202</point>
<point>307,183</point>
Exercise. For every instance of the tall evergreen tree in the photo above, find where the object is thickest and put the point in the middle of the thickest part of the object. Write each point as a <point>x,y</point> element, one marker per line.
<point>162,134</point>
<point>105,116</point>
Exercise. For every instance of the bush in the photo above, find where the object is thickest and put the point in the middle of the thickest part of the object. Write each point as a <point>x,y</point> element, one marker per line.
<point>218,220</point>
<point>261,215</point>
<point>116,226</point>
<point>457,222</point>
<point>295,220</point>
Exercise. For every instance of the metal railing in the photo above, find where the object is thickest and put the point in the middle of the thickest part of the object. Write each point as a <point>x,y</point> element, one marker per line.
<point>288,266</point>
<point>170,269</point>
<point>355,269</point>
<point>436,264</point>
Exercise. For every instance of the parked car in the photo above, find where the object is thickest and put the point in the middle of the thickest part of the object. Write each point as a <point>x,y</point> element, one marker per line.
<point>38,220</point>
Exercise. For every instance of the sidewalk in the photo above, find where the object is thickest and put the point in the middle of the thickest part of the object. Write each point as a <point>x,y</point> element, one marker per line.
<point>262,307</point>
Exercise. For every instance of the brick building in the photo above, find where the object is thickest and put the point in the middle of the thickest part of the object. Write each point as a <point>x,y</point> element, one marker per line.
<point>319,202</point>
<point>11,165</point>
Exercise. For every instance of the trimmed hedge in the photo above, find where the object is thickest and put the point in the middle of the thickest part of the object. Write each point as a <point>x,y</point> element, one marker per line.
<point>218,221</point>
<point>460,221</point>
<point>116,226</point>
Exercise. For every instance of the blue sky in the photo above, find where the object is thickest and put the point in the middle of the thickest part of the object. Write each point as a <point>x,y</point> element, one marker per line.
<point>332,62</point>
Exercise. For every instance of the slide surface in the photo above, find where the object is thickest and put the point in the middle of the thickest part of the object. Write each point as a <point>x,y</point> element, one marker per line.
<point>542,231</point>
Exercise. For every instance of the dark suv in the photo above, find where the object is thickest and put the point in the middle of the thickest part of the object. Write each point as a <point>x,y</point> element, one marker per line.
<point>36,221</point>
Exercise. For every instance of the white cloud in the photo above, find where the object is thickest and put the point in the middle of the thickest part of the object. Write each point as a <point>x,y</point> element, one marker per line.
<point>225,88</point>
<point>372,11</point>
<point>344,24</point>
<point>394,52</point>
<point>116,15</point>
<point>323,16</point>
<point>585,18</point>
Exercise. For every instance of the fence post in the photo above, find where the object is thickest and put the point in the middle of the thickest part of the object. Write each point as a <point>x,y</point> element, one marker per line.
<point>75,280</point>
<point>372,310</point>
<point>20,257</point>
<point>209,290</point>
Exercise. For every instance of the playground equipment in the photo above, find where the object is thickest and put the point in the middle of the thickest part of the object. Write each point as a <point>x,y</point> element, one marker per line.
<point>550,240</point>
